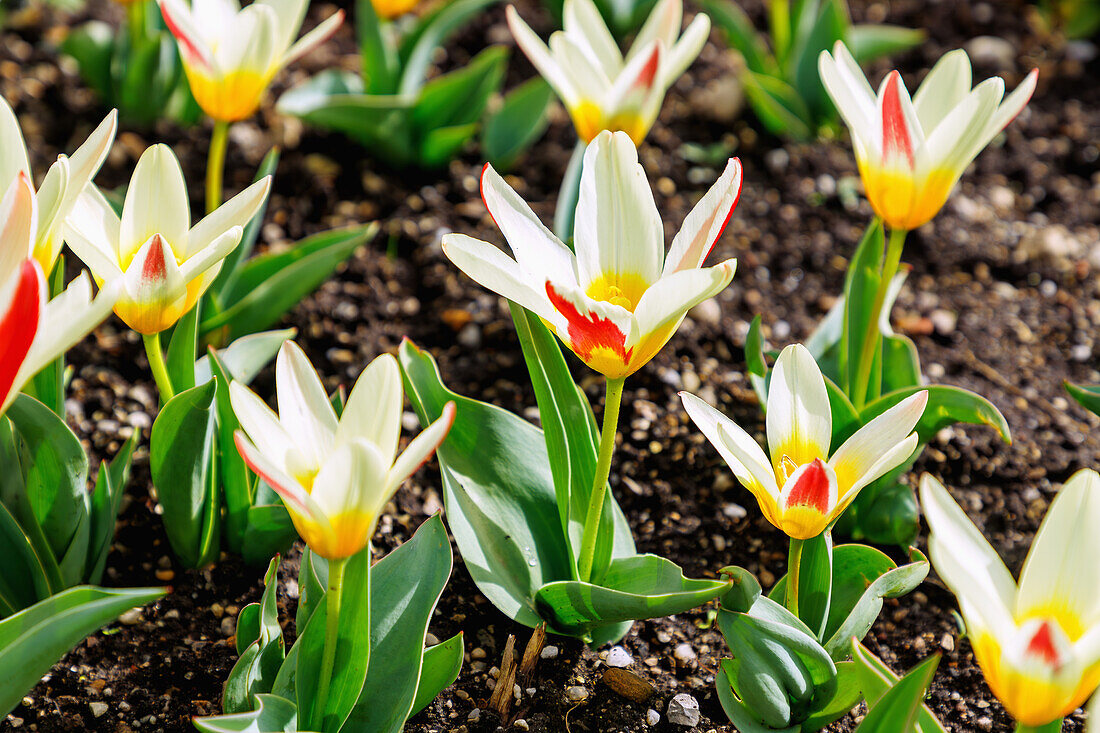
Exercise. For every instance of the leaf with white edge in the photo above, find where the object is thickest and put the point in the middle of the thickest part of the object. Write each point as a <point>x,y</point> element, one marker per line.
<point>244,358</point>
<point>274,715</point>
<point>895,704</point>
<point>438,670</point>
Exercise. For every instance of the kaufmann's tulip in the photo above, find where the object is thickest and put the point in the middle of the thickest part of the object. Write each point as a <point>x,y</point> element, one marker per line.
<point>64,181</point>
<point>231,55</point>
<point>164,263</point>
<point>620,298</point>
<point>34,330</point>
<point>390,9</point>
<point>601,89</point>
<point>800,488</point>
<point>1038,643</point>
<point>334,475</point>
<point>911,152</point>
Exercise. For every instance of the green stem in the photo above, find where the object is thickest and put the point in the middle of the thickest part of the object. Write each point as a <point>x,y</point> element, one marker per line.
<point>794,568</point>
<point>603,470</point>
<point>215,165</point>
<point>333,597</point>
<point>135,20</point>
<point>158,367</point>
<point>1054,726</point>
<point>566,210</point>
<point>894,246</point>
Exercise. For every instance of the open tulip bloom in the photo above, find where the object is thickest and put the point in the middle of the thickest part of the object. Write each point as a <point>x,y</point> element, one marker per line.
<point>34,330</point>
<point>800,488</point>
<point>230,54</point>
<point>334,474</point>
<point>911,152</point>
<point>1038,643</point>
<point>602,89</point>
<point>64,181</point>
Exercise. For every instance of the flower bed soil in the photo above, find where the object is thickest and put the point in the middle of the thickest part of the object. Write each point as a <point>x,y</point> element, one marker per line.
<point>1002,300</point>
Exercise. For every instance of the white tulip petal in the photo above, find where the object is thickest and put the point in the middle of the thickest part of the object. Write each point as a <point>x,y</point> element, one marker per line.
<point>583,69</point>
<point>683,52</point>
<point>156,203</point>
<point>1014,103</point>
<point>854,459</point>
<point>541,58</point>
<point>210,258</point>
<point>261,423</point>
<point>901,135</point>
<point>373,409</point>
<point>236,212</point>
<point>946,85</point>
<point>670,298</point>
<point>420,449</point>
<point>961,134</point>
<point>92,231</point>
<point>352,479</point>
<point>851,94</point>
<point>663,25</point>
<point>304,409</point>
<point>50,197</point>
<point>289,14</point>
<point>193,45</point>
<point>704,225</point>
<point>85,162</point>
<point>18,224</point>
<point>496,271</point>
<point>321,33</point>
<point>290,491</point>
<point>582,20</point>
<point>744,455</point>
<point>798,420</point>
<point>13,149</point>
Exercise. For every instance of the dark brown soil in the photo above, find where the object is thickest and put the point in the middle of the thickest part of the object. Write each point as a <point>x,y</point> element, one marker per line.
<point>1002,300</point>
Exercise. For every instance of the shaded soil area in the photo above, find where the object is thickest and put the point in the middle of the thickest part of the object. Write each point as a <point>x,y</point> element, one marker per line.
<point>1002,299</point>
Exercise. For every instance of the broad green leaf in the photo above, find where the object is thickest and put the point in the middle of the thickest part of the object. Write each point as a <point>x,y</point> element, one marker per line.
<point>33,640</point>
<point>831,26</point>
<point>263,652</point>
<point>901,706</point>
<point>353,651</point>
<point>876,680</point>
<point>432,31</point>
<point>777,105</point>
<point>860,288</point>
<point>521,120</point>
<point>742,35</point>
<point>892,583</point>
<point>739,714</point>
<point>268,530</point>
<point>885,512</point>
<point>440,145</point>
<point>181,460</point>
<point>273,714</point>
<point>633,588</point>
<point>498,491</point>
<point>568,195</point>
<point>438,670</point>
<point>92,45</point>
<point>380,64</point>
<point>235,477</point>
<point>405,587</point>
<point>848,694</point>
<point>26,577</point>
<point>458,97</point>
<point>106,501</point>
<point>1087,395</point>
<point>182,350</point>
<point>243,359</point>
<point>947,405</point>
<point>869,42</point>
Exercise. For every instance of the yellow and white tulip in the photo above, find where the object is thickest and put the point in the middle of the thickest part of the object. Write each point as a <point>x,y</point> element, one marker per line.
<point>620,298</point>
<point>912,152</point>
<point>1038,642</point>
<point>34,330</point>
<point>334,475</point>
<point>390,9</point>
<point>800,488</point>
<point>230,54</point>
<point>164,263</point>
<point>63,183</point>
<point>602,89</point>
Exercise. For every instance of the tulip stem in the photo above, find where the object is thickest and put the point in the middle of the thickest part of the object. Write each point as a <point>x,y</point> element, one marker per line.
<point>333,597</point>
<point>603,470</point>
<point>135,19</point>
<point>794,568</point>
<point>861,388</point>
<point>215,165</point>
<point>158,367</point>
<point>1054,726</point>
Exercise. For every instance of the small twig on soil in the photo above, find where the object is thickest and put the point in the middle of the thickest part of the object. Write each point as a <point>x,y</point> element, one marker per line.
<point>533,651</point>
<point>501,699</point>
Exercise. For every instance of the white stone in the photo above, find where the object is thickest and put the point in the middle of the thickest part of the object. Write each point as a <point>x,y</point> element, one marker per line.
<point>652,717</point>
<point>549,652</point>
<point>576,693</point>
<point>683,710</point>
<point>619,657</point>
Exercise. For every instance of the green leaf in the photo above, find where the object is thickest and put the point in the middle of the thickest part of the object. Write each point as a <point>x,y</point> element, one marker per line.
<point>901,706</point>
<point>885,512</point>
<point>742,35</point>
<point>181,352</point>
<point>442,144</point>
<point>521,120</point>
<point>262,655</point>
<point>739,714</point>
<point>405,587</point>
<point>498,491</point>
<point>633,588</point>
<point>1087,395</point>
<point>848,694</point>
<point>92,45</point>
<point>106,501</point>
<point>271,284</point>
<point>777,105</point>
<point>438,670</point>
<point>273,714</point>
<point>181,460</point>
<point>947,406</point>
<point>243,359</point>
<point>429,34</point>
<point>860,288</point>
<point>268,530</point>
<point>27,576</point>
<point>311,584</point>
<point>869,42</point>
<point>458,97</point>
<point>876,680</point>
<point>33,640</point>
<point>830,26</point>
<point>353,650</point>
<point>856,565</point>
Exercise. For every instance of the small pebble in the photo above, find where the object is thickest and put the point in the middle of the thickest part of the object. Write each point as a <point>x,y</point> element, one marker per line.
<point>652,717</point>
<point>684,653</point>
<point>549,652</point>
<point>474,716</point>
<point>576,693</point>
<point>619,657</point>
<point>132,617</point>
<point>683,710</point>
<point>522,724</point>
<point>229,626</point>
<point>99,709</point>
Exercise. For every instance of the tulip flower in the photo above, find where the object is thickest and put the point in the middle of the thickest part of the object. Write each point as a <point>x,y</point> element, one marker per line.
<point>230,55</point>
<point>334,475</point>
<point>911,152</point>
<point>620,298</point>
<point>1038,642</point>
<point>800,488</point>
<point>390,9</point>
<point>601,89</point>
<point>63,183</point>
<point>34,331</point>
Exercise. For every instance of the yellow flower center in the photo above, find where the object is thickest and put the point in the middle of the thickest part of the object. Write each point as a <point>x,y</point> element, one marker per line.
<point>623,289</point>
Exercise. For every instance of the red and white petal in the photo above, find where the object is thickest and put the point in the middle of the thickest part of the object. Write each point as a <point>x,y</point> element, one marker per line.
<point>581,20</point>
<point>193,47</point>
<point>86,160</point>
<point>22,301</point>
<point>706,222</point>
<point>900,131</point>
<point>744,455</point>
<point>92,232</point>
<point>662,25</point>
<point>967,564</point>
<point>945,86</point>
<point>18,224</point>
<point>321,33</point>
<point>153,288</point>
<point>591,326</point>
<point>537,250</point>
<point>156,202</point>
<point>296,498</point>
<point>855,459</point>
<point>962,133</point>
<point>853,96</point>
<point>419,450</point>
<point>669,299</point>
<point>13,149</point>
<point>638,84</point>
<point>798,420</point>
<point>618,230</point>
<point>496,271</point>
<point>812,486</point>
<point>680,55</point>
<point>236,212</point>
<point>1061,574</point>
<point>373,409</point>
<point>541,58</point>
<point>1014,103</point>
<point>260,422</point>
<point>304,409</point>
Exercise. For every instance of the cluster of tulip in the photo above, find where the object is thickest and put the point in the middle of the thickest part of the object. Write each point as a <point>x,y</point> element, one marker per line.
<point>530,509</point>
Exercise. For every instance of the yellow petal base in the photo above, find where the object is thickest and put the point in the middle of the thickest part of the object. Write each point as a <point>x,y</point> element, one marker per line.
<point>350,532</point>
<point>230,98</point>
<point>903,201</point>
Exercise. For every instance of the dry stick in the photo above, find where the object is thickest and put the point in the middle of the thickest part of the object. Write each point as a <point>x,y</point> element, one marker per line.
<point>501,700</point>
<point>533,652</point>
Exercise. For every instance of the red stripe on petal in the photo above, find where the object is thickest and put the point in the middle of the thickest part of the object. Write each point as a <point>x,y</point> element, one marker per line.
<point>587,331</point>
<point>648,73</point>
<point>729,214</point>
<point>811,489</point>
<point>289,494</point>
<point>190,48</point>
<point>154,268</point>
<point>1042,646</point>
<point>895,129</point>
<point>19,324</point>
<point>484,170</point>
